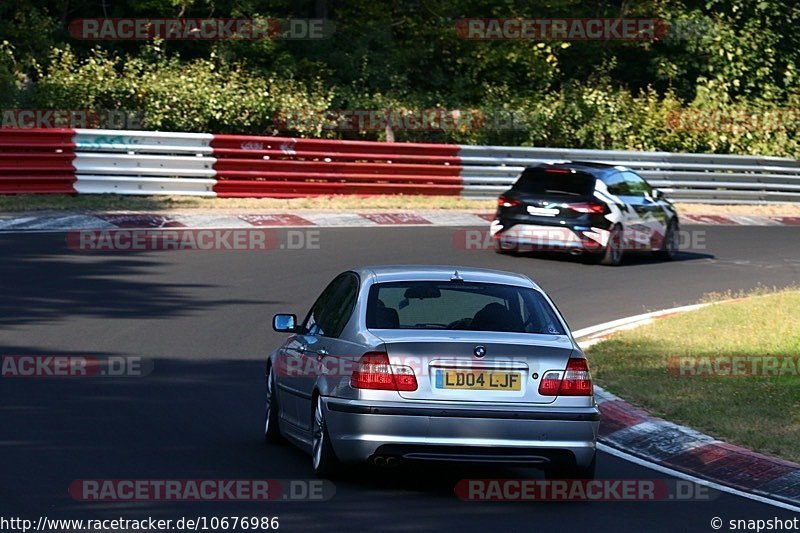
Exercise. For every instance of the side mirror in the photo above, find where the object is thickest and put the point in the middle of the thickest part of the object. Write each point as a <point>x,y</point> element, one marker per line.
<point>284,323</point>
<point>657,194</point>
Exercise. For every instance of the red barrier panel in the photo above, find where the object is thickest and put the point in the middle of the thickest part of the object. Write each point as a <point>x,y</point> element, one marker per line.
<point>312,177</point>
<point>32,161</point>
<point>294,189</point>
<point>292,167</point>
<point>310,155</point>
<point>37,161</point>
<point>248,142</point>
<point>288,167</point>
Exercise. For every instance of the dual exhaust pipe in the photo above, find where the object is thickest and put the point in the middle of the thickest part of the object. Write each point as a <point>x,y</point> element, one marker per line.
<point>386,461</point>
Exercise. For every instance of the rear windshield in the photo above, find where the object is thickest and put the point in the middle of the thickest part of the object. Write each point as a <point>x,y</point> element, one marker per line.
<point>460,306</point>
<point>556,182</point>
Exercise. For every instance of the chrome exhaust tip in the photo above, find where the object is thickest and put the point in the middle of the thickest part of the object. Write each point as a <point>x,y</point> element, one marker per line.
<point>379,461</point>
<point>392,461</point>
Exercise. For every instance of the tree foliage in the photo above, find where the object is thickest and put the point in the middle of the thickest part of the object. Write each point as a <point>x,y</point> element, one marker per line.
<point>718,58</point>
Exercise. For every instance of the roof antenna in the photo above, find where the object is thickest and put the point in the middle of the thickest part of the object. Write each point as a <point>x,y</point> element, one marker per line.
<point>456,277</point>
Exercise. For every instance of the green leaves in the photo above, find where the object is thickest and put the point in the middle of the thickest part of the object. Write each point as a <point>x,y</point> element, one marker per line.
<point>408,57</point>
<point>197,96</point>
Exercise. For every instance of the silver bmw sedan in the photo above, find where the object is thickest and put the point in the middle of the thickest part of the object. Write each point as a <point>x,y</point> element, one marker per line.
<point>427,363</point>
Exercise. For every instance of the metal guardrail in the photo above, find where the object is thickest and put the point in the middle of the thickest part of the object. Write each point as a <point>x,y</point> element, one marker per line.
<point>36,161</point>
<point>88,161</point>
<point>249,166</point>
<point>143,163</point>
<point>708,178</point>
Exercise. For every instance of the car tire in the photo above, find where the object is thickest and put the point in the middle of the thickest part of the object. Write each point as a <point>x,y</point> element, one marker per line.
<point>323,458</point>
<point>502,247</point>
<point>572,472</point>
<point>614,248</point>
<point>670,247</point>
<point>272,430</point>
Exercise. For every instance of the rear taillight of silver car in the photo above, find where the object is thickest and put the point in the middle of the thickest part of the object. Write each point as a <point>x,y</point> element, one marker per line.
<point>576,380</point>
<point>374,372</point>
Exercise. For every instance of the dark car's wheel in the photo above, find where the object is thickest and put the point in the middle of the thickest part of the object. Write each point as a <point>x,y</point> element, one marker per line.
<point>573,472</point>
<point>669,249</point>
<point>272,432</point>
<point>505,246</point>
<point>323,458</point>
<point>614,248</point>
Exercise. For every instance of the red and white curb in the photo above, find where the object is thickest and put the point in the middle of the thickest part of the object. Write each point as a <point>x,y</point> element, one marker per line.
<point>69,222</point>
<point>226,221</point>
<point>740,220</point>
<point>633,434</point>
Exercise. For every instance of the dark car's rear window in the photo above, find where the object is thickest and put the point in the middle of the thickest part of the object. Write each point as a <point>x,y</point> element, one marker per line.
<point>555,181</point>
<point>460,306</point>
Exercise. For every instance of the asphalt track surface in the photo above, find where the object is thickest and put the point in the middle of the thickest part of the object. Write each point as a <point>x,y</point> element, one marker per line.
<point>204,318</point>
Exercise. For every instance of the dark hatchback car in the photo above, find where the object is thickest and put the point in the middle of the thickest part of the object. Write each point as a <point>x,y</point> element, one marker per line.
<point>583,208</point>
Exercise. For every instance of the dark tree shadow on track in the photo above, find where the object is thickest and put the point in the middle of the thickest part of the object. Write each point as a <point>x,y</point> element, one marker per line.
<point>42,280</point>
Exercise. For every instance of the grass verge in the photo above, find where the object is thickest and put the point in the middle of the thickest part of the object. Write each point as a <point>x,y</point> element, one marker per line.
<point>151,204</point>
<point>759,411</point>
<point>106,203</point>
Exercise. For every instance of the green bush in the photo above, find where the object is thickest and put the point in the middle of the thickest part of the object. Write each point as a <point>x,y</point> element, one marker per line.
<point>9,76</point>
<point>202,95</point>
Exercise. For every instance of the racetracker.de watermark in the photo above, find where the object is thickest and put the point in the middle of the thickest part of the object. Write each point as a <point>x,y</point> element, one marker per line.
<point>132,490</point>
<point>345,365</point>
<point>199,29</point>
<point>564,239</point>
<point>598,490</point>
<point>734,120</point>
<point>74,366</point>
<point>71,118</point>
<point>398,119</point>
<point>562,29</point>
<point>243,239</point>
<point>733,366</point>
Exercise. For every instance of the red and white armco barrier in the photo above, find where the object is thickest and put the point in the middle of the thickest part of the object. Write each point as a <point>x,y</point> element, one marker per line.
<point>86,161</point>
<point>36,161</point>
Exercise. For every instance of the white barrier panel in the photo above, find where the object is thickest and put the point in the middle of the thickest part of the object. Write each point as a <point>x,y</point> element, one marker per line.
<point>488,171</point>
<point>142,142</point>
<point>144,165</point>
<point>619,155</point>
<point>144,186</point>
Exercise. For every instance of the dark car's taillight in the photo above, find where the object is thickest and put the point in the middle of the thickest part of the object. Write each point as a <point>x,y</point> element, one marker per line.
<point>594,208</point>
<point>507,202</point>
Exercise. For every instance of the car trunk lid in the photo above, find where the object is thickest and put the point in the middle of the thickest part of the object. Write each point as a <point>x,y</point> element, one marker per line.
<point>449,366</point>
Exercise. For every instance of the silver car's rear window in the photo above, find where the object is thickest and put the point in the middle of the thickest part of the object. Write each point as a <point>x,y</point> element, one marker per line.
<point>460,306</point>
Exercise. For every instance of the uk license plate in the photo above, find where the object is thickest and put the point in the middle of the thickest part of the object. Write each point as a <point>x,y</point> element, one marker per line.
<point>478,380</point>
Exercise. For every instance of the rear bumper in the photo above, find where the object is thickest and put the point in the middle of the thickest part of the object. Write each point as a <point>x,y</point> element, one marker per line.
<point>563,238</point>
<point>360,430</point>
